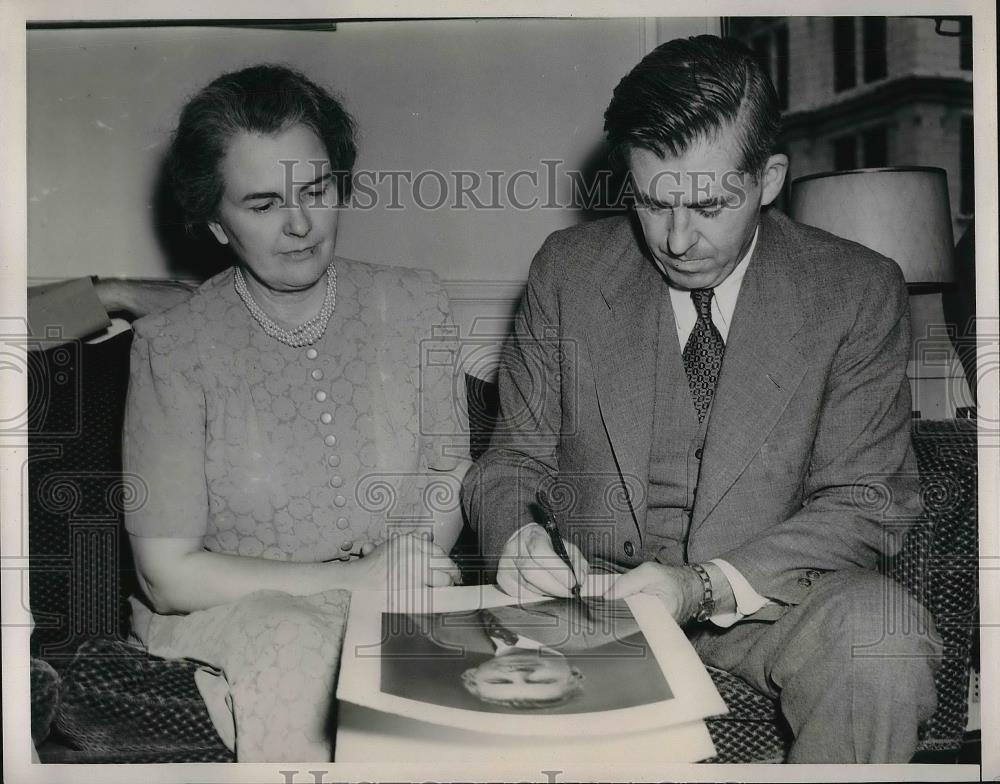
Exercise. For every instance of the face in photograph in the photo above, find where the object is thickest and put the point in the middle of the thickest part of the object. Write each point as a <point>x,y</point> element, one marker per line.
<point>524,679</point>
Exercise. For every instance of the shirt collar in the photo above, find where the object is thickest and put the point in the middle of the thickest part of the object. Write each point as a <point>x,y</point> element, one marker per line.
<point>727,292</point>
<point>524,644</point>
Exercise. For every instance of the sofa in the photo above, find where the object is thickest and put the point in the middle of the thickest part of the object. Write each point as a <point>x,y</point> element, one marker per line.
<point>96,697</point>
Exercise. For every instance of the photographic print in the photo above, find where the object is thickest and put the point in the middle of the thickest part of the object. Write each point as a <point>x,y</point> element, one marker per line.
<point>477,660</point>
<point>562,656</point>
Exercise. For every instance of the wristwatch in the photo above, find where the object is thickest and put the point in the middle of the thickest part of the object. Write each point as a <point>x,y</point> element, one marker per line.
<point>706,608</point>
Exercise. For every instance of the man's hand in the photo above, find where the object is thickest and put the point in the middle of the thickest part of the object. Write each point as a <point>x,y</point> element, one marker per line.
<point>528,563</point>
<point>678,587</point>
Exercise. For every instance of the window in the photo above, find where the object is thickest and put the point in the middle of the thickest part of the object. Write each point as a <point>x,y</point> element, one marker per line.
<point>869,148</point>
<point>760,45</point>
<point>967,170</point>
<point>844,68</point>
<point>965,44</point>
<point>873,48</point>
<point>781,65</point>
<point>845,153</point>
<point>770,49</point>
<point>875,147</point>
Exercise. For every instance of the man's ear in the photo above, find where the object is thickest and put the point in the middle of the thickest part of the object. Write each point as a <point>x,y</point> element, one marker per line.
<point>773,178</point>
<point>219,232</point>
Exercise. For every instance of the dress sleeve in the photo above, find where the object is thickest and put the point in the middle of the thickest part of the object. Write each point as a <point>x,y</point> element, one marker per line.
<point>163,447</point>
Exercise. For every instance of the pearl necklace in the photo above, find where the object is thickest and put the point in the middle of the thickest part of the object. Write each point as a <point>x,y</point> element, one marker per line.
<point>302,335</point>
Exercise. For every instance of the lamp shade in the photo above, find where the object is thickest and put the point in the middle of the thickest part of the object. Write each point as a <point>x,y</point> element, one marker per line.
<point>902,213</point>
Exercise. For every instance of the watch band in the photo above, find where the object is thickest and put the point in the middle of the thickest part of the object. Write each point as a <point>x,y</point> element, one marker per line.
<point>706,608</point>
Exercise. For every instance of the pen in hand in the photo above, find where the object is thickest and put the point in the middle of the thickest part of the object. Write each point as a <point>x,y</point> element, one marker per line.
<point>552,528</point>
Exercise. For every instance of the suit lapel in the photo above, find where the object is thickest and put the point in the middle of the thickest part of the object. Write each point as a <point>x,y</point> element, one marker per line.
<point>623,348</point>
<point>760,372</point>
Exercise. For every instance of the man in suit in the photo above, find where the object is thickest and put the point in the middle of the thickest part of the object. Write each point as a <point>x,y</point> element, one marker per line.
<point>720,397</point>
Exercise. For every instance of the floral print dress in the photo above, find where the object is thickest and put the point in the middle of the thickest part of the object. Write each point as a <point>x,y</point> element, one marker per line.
<point>295,454</point>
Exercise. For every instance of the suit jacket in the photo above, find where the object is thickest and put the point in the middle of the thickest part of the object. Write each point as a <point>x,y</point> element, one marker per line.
<point>807,465</point>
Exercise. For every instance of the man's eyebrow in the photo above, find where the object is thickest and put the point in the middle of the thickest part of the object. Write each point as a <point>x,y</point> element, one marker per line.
<point>707,203</point>
<point>275,195</point>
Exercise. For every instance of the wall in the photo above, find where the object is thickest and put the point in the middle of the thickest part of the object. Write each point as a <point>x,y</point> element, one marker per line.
<point>444,95</point>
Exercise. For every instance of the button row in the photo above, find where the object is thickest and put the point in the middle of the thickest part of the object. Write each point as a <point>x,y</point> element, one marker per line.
<point>330,440</point>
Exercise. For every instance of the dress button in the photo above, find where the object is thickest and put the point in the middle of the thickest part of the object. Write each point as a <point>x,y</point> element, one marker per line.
<point>698,453</point>
<point>312,353</point>
<point>330,440</point>
<point>805,582</point>
<point>347,546</point>
<point>342,523</point>
<point>629,549</point>
<point>340,500</point>
<point>333,460</point>
<point>317,374</point>
<point>336,481</point>
<point>320,395</point>
<point>326,417</point>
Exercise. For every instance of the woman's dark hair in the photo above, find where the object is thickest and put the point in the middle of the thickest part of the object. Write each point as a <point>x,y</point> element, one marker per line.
<point>690,89</point>
<point>263,99</point>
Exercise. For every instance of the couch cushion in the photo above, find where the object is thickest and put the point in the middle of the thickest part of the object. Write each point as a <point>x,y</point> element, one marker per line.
<point>44,699</point>
<point>81,568</point>
<point>120,701</point>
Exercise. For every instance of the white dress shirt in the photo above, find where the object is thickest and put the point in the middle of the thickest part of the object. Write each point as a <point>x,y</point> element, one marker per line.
<point>748,601</point>
<point>523,644</point>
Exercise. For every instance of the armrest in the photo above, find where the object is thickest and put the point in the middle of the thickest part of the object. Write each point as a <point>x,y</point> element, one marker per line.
<point>139,297</point>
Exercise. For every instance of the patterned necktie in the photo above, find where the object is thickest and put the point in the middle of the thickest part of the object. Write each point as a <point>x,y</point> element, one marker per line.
<point>496,630</point>
<point>703,354</point>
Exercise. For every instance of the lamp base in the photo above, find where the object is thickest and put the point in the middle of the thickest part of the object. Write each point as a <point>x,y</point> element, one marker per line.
<point>937,379</point>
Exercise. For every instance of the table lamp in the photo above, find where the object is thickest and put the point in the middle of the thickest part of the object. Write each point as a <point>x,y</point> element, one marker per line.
<point>903,213</point>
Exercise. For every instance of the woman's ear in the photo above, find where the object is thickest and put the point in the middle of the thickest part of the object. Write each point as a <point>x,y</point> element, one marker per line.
<point>219,232</point>
<point>774,178</point>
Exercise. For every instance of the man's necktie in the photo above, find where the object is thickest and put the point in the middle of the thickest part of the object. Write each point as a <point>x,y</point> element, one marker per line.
<point>703,354</point>
<point>496,630</point>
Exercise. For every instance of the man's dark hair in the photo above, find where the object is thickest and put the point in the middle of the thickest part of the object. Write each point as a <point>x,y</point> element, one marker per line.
<point>262,99</point>
<point>690,89</point>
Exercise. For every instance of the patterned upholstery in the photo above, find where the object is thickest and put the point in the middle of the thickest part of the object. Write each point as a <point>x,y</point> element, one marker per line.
<point>44,698</point>
<point>76,494</point>
<point>120,702</point>
<point>938,563</point>
<point>117,704</point>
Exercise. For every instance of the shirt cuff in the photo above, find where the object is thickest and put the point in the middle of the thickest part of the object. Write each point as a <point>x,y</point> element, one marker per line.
<point>748,601</point>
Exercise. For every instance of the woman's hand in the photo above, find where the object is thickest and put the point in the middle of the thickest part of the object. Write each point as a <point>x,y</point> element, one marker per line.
<point>404,562</point>
<point>358,550</point>
<point>179,576</point>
